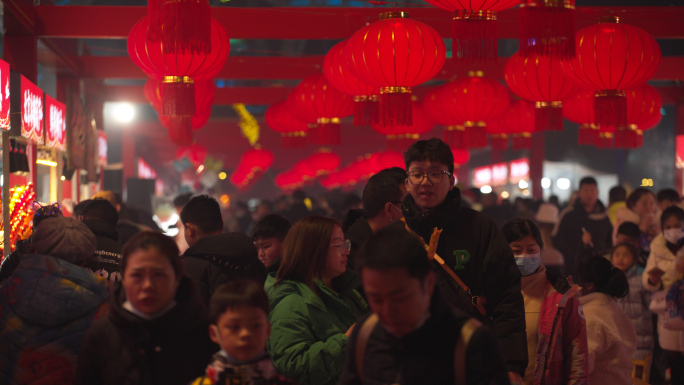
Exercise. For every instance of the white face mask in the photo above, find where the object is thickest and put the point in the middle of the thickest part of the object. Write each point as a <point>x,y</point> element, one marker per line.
<point>673,235</point>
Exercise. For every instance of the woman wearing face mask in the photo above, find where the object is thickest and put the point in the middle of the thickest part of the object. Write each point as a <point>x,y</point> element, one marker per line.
<point>660,274</point>
<point>556,332</point>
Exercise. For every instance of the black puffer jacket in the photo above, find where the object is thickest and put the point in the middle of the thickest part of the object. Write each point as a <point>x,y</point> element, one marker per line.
<point>124,349</point>
<point>414,358</point>
<point>358,233</point>
<point>217,259</point>
<point>568,236</point>
<point>108,252</point>
<point>485,264</point>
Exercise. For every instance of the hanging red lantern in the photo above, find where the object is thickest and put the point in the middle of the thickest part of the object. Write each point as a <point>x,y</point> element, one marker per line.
<point>323,162</point>
<point>389,159</point>
<point>195,153</point>
<point>395,54</point>
<point>612,57</point>
<point>181,127</point>
<point>475,100</point>
<point>547,27</point>
<point>292,130</point>
<point>474,27</point>
<point>540,79</point>
<point>461,157</point>
<point>579,108</point>
<point>399,138</point>
<point>181,26</point>
<point>204,94</point>
<point>643,112</point>
<point>315,99</point>
<point>517,122</point>
<point>253,164</point>
<point>340,76</point>
<point>435,108</point>
<point>178,70</point>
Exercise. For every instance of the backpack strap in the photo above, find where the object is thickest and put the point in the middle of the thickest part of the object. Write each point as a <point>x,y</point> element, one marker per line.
<point>362,341</point>
<point>467,331</point>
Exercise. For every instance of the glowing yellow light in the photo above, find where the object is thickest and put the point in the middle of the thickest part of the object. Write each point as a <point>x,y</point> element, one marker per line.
<point>504,194</point>
<point>63,177</point>
<point>222,175</point>
<point>46,162</point>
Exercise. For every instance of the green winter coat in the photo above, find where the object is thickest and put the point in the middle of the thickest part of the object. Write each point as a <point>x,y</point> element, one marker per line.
<point>307,340</point>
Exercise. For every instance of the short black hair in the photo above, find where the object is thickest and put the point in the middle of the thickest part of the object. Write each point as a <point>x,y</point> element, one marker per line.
<point>588,180</point>
<point>271,226</point>
<point>672,211</point>
<point>607,279</point>
<point>204,212</point>
<point>617,194</point>
<point>392,247</point>
<point>629,228</point>
<point>434,150</point>
<point>236,294</point>
<point>668,194</point>
<point>146,240</point>
<point>381,188</point>
<point>78,209</point>
<point>101,209</point>
<point>634,197</point>
<point>181,200</point>
<point>520,228</point>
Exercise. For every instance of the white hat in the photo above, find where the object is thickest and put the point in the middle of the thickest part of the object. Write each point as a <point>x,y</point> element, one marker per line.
<point>547,213</point>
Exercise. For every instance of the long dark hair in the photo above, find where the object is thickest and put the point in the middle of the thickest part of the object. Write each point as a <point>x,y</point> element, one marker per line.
<point>305,249</point>
<point>607,279</point>
<point>520,228</point>
<point>634,197</point>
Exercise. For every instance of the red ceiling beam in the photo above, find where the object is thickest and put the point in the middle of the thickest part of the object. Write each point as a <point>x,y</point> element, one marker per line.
<point>111,22</point>
<point>295,68</point>
<point>223,96</point>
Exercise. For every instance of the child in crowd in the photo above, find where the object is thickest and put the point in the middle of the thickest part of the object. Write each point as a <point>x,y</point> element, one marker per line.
<point>635,304</point>
<point>628,232</point>
<point>611,336</point>
<point>268,236</point>
<point>238,313</point>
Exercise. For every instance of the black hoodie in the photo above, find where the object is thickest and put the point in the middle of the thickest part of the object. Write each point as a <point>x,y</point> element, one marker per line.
<point>108,252</point>
<point>568,236</point>
<point>217,259</point>
<point>485,264</point>
<point>124,349</point>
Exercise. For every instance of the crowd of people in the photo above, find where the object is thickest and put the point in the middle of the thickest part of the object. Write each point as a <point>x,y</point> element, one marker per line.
<point>414,282</point>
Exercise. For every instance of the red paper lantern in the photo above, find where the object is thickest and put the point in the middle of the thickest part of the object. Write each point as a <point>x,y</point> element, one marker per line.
<point>474,27</point>
<point>540,79</point>
<point>195,153</point>
<point>315,99</point>
<point>253,164</point>
<point>517,122</point>
<point>292,130</point>
<point>579,108</point>
<point>395,54</point>
<point>435,108</point>
<point>399,138</point>
<point>475,100</point>
<point>181,127</point>
<point>365,96</point>
<point>181,25</point>
<point>643,112</point>
<point>461,157</point>
<point>178,70</point>
<point>547,27</point>
<point>612,57</point>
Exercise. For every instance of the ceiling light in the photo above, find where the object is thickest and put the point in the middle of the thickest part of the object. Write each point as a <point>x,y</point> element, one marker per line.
<point>124,112</point>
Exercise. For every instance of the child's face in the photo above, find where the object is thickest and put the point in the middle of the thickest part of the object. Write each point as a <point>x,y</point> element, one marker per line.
<point>269,249</point>
<point>242,332</point>
<point>623,258</point>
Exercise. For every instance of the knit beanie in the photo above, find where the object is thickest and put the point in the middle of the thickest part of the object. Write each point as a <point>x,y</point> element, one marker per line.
<point>64,238</point>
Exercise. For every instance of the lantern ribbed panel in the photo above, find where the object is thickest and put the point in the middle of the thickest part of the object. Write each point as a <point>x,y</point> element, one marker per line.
<point>253,164</point>
<point>476,99</point>
<point>399,138</point>
<point>547,27</point>
<point>150,57</point>
<point>315,99</point>
<point>340,76</point>
<point>395,54</point>
<point>579,108</point>
<point>643,113</point>
<point>540,79</point>
<point>612,57</point>
<point>292,130</point>
<point>474,5</point>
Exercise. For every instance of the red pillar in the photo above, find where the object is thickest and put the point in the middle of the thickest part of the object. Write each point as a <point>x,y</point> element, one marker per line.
<point>537,154</point>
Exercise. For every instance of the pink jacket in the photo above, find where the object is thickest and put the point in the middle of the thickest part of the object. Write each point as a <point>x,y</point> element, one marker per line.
<point>562,345</point>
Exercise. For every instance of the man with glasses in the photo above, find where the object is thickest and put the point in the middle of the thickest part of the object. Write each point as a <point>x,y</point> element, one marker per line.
<point>472,247</point>
<point>381,198</point>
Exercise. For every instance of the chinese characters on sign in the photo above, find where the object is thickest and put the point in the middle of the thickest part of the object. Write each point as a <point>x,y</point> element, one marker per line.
<point>101,149</point>
<point>55,130</point>
<point>31,112</point>
<point>500,174</point>
<point>145,171</point>
<point>4,96</point>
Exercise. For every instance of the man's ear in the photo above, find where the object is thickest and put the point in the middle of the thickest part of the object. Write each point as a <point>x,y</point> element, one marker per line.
<point>406,184</point>
<point>452,182</point>
<point>190,230</point>
<point>214,335</point>
<point>430,281</point>
<point>388,209</point>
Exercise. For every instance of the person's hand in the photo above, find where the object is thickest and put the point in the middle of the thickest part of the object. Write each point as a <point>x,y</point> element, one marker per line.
<point>515,378</point>
<point>654,276</point>
<point>349,332</point>
<point>586,237</point>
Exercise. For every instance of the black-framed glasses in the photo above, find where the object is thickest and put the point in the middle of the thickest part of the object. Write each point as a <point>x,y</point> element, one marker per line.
<point>344,246</point>
<point>434,176</point>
